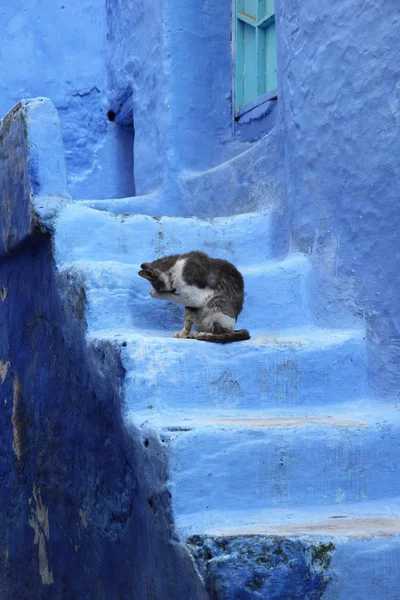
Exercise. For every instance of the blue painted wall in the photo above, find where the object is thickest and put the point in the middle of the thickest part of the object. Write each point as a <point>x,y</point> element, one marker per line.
<point>339,119</point>
<point>78,518</point>
<point>58,50</point>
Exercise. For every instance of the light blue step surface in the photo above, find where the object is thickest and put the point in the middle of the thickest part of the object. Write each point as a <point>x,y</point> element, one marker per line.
<point>259,440</point>
<point>373,517</point>
<point>86,233</point>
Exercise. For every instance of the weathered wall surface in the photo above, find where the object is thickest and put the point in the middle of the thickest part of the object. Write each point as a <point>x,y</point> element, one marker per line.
<point>83,516</point>
<point>339,117</point>
<point>177,58</point>
<point>58,50</point>
<point>137,66</point>
<point>74,513</point>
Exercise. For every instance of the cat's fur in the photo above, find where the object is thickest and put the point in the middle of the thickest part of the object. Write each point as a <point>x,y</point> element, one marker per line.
<point>210,289</point>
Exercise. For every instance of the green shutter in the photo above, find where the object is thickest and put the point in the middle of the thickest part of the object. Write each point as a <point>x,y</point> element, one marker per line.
<point>255,72</point>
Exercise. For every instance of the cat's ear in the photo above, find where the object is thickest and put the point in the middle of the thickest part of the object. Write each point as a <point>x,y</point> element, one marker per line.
<point>146,266</point>
<point>147,274</point>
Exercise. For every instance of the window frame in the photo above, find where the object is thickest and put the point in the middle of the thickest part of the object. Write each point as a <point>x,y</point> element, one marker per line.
<point>267,96</point>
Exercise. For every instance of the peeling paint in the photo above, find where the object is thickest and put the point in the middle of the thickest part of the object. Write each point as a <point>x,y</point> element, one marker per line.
<point>82,515</point>
<point>39,521</point>
<point>19,420</point>
<point>4,370</point>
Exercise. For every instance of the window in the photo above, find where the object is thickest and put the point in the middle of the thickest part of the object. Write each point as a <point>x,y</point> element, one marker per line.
<point>255,50</point>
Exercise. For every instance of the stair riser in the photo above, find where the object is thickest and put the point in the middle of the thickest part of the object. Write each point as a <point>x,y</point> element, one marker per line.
<point>215,469</point>
<point>186,374</point>
<point>277,298</point>
<point>84,233</point>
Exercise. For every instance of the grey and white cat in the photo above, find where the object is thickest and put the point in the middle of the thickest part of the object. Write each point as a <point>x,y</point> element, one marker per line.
<point>210,289</point>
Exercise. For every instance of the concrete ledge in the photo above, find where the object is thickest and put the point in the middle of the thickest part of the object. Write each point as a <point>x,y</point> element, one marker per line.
<point>33,181</point>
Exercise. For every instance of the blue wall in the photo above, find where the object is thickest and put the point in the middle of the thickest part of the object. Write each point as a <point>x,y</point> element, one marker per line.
<point>74,514</point>
<point>58,49</point>
<point>339,119</point>
<point>78,518</point>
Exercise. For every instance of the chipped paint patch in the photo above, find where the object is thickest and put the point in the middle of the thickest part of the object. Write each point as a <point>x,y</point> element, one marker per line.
<point>82,515</point>
<point>278,341</point>
<point>4,370</point>
<point>39,521</point>
<point>19,420</point>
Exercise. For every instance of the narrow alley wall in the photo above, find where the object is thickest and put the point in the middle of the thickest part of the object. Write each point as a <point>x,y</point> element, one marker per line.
<point>339,84</point>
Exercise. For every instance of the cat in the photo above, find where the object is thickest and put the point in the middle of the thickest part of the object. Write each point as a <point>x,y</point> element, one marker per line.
<point>210,289</point>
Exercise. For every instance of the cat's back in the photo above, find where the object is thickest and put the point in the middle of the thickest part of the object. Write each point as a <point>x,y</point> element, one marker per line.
<point>206,272</point>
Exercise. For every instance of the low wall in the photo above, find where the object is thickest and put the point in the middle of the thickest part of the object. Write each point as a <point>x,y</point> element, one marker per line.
<point>76,520</point>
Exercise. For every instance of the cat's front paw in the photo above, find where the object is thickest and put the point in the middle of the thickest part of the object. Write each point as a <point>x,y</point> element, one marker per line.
<point>183,334</point>
<point>180,334</point>
<point>153,293</point>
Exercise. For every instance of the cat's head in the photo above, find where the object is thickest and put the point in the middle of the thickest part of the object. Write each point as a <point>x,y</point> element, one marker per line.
<point>158,278</point>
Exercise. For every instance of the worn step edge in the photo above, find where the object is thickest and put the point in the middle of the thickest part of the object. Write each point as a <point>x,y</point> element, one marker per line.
<point>360,411</point>
<point>294,339</point>
<point>370,518</point>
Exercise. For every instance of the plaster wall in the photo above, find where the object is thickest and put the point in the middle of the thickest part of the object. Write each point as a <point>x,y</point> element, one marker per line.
<point>199,45</point>
<point>339,77</point>
<point>58,49</point>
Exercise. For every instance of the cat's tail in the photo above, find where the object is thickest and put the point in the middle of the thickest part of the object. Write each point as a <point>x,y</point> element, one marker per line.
<point>224,338</point>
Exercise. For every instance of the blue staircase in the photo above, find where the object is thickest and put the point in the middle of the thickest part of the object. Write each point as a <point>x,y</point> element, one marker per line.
<point>283,473</point>
<point>277,468</point>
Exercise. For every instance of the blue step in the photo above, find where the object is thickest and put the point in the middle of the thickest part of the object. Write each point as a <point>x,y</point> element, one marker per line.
<point>370,517</point>
<point>86,233</point>
<point>277,295</point>
<point>308,365</point>
<point>241,463</point>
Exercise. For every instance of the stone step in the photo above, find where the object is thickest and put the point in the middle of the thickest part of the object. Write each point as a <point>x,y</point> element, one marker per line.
<point>86,233</point>
<point>277,295</point>
<point>373,517</point>
<point>341,559</point>
<point>218,464</point>
<point>297,366</point>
